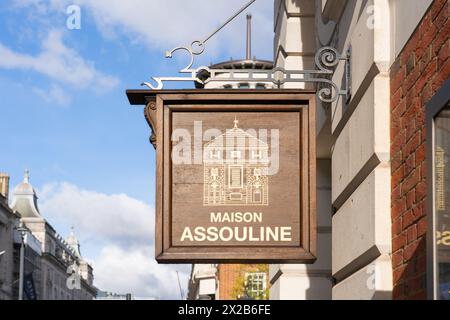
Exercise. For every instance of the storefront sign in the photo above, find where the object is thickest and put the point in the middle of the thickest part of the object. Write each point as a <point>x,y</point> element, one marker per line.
<point>235,175</point>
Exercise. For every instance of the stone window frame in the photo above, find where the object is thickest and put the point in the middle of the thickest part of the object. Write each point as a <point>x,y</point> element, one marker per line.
<point>439,101</point>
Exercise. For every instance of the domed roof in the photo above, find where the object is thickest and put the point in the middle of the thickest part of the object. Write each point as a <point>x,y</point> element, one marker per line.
<point>25,199</point>
<point>25,188</point>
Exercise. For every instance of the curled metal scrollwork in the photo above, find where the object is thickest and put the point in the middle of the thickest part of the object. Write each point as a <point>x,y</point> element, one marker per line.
<point>326,59</point>
<point>196,48</point>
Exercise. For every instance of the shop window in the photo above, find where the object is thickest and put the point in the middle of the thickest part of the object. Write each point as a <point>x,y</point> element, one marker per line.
<point>438,129</point>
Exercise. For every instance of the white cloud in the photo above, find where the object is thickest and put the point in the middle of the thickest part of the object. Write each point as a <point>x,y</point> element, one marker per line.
<point>58,62</point>
<point>55,94</point>
<point>122,270</point>
<point>124,228</point>
<point>41,6</point>
<point>164,24</point>
<point>115,218</point>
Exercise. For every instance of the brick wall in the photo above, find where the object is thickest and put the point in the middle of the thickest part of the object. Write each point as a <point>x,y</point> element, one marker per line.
<point>228,273</point>
<point>419,71</point>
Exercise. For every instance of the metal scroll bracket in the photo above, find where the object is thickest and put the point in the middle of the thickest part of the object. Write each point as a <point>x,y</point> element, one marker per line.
<point>326,60</point>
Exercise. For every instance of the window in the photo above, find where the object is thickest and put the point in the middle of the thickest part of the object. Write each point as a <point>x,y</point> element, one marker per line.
<point>214,154</point>
<point>438,138</point>
<point>256,154</point>
<point>442,201</point>
<point>255,285</point>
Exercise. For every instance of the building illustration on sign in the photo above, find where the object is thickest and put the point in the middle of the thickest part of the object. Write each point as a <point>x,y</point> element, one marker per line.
<point>235,170</point>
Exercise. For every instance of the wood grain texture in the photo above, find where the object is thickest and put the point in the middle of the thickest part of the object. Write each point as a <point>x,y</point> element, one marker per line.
<point>292,196</point>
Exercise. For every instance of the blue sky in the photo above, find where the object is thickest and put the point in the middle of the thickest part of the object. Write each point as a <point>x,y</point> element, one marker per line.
<point>64,115</point>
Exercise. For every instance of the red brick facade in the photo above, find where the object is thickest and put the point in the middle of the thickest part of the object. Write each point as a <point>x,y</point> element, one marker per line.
<point>231,277</point>
<point>228,274</point>
<point>419,71</point>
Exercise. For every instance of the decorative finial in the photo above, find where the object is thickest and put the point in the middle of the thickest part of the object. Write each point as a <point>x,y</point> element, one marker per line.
<point>26,176</point>
<point>236,122</point>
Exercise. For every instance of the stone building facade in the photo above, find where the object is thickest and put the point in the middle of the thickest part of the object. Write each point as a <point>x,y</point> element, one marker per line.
<point>32,265</point>
<point>65,275</point>
<point>373,147</point>
<point>7,222</point>
<point>57,269</point>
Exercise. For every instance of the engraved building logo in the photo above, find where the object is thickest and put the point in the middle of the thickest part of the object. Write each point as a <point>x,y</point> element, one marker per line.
<point>235,170</point>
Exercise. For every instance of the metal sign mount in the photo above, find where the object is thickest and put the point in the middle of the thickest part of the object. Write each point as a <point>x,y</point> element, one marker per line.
<point>326,59</point>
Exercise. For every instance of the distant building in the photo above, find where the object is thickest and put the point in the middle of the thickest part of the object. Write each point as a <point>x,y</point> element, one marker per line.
<point>229,282</point>
<point>32,265</point>
<point>60,272</point>
<point>107,296</point>
<point>7,222</point>
<point>203,283</point>
<point>10,242</point>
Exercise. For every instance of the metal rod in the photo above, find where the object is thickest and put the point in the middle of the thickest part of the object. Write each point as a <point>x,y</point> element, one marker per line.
<point>229,20</point>
<point>23,232</point>
<point>179,285</point>
<point>249,37</point>
<point>21,268</point>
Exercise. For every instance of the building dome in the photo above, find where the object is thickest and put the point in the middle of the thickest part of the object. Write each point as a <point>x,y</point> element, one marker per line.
<point>25,188</point>
<point>249,63</point>
<point>25,199</point>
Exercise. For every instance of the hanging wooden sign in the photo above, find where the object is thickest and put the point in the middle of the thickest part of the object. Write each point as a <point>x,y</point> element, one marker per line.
<point>236,174</point>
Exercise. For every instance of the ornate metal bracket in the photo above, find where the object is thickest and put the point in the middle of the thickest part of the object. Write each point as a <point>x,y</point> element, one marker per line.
<point>326,59</point>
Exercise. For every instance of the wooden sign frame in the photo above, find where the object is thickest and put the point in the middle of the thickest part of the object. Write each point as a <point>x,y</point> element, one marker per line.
<point>161,105</point>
